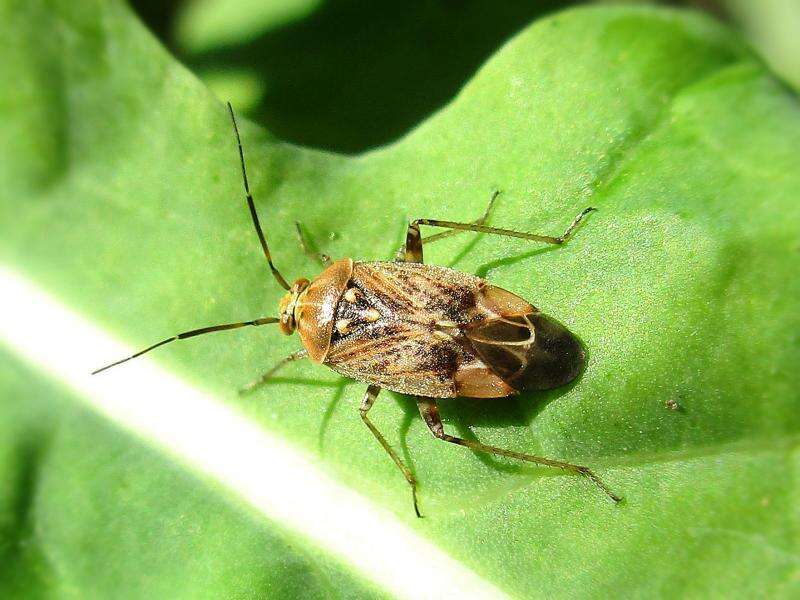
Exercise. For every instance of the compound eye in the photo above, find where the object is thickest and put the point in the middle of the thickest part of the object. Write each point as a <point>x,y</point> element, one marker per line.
<point>287,324</point>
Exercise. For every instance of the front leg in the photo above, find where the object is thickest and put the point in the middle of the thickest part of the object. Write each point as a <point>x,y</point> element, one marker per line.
<point>300,354</point>
<point>321,257</point>
<point>430,414</point>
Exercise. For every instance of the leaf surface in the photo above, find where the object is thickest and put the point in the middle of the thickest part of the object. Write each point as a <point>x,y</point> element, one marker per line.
<point>122,197</point>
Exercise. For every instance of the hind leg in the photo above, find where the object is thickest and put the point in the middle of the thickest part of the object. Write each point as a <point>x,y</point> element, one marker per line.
<point>413,247</point>
<point>429,411</point>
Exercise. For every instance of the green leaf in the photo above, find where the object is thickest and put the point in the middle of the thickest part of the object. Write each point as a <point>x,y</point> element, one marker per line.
<point>122,197</point>
<point>88,511</point>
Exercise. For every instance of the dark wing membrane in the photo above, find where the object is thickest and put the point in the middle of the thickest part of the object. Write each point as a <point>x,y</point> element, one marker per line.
<point>399,356</point>
<point>503,344</point>
<point>530,352</point>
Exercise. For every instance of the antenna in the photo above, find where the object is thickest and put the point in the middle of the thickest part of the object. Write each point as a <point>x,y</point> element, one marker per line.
<point>192,333</point>
<point>252,207</point>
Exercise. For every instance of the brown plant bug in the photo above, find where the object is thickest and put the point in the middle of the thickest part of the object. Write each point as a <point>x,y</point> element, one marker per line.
<point>423,330</point>
<point>673,404</point>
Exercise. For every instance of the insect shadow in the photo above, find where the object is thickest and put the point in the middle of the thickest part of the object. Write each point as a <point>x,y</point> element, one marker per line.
<point>463,413</point>
<point>339,386</point>
<point>484,270</point>
<point>320,383</point>
<point>464,252</point>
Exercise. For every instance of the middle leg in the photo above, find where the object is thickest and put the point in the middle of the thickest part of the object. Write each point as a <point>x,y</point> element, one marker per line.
<point>413,248</point>
<point>366,404</point>
<point>400,255</point>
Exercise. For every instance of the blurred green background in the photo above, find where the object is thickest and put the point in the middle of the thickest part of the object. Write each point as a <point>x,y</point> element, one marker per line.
<point>349,75</point>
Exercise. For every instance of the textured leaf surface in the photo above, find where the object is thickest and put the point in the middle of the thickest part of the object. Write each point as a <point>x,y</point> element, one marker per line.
<point>122,197</point>
<point>87,510</point>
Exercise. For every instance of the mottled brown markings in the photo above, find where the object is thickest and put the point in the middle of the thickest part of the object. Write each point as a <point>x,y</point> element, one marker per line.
<point>400,355</point>
<point>372,337</point>
<point>462,304</point>
<point>388,296</point>
<point>418,293</point>
<point>443,360</point>
<point>419,341</point>
<point>342,326</point>
<point>442,335</point>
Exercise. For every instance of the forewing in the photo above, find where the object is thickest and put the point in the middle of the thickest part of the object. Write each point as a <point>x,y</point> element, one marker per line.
<point>503,344</point>
<point>420,293</point>
<point>530,352</point>
<point>400,356</point>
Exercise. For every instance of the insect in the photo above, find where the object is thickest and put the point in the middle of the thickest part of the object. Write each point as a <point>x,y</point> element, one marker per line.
<point>423,330</point>
<point>672,404</point>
